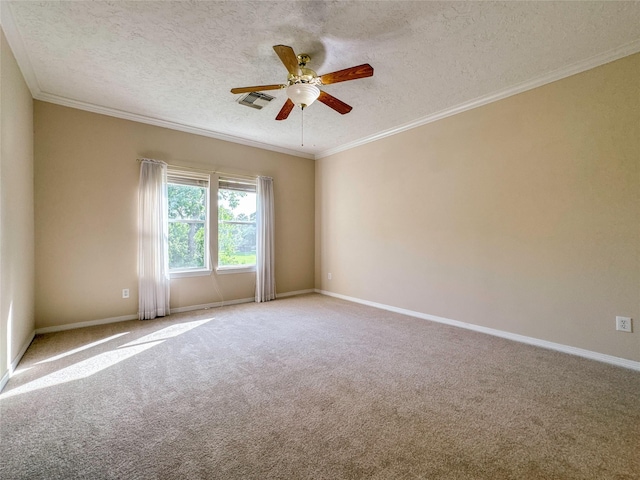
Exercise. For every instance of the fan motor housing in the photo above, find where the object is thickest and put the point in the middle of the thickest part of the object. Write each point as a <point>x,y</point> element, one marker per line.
<point>306,76</point>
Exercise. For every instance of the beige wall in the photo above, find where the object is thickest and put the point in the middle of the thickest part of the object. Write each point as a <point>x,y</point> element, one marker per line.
<point>86,180</point>
<point>522,215</point>
<point>16,210</point>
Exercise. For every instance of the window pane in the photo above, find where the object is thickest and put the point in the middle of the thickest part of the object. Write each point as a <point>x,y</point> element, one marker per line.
<point>187,202</point>
<point>186,245</point>
<point>236,228</point>
<point>187,230</point>
<point>237,244</point>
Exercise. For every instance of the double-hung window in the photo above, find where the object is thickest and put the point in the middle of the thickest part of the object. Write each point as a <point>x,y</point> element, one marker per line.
<point>236,224</point>
<point>188,217</point>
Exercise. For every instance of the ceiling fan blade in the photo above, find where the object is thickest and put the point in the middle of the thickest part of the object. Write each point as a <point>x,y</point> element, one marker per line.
<point>258,88</point>
<point>288,58</point>
<point>285,110</point>
<point>353,73</point>
<point>331,101</point>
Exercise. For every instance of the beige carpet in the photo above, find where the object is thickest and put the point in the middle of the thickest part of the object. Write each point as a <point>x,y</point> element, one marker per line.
<point>312,387</point>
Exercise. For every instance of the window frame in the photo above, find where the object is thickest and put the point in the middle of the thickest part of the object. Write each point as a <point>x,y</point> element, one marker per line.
<point>226,269</point>
<point>192,177</point>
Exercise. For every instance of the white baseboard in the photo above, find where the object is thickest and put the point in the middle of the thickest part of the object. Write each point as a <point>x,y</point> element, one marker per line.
<point>89,323</point>
<point>124,318</point>
<point>581,352</point>
<point>297,292</point>
<point>204,306</point>
<point>16,361</point>
<point>23,348</point>
<point>4,379</point>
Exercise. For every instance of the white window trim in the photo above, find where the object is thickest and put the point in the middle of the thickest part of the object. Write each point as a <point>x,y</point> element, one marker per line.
<point>226,270</point>
<point>206,270</point>
<point>223,269</point>
<point>200,272</point>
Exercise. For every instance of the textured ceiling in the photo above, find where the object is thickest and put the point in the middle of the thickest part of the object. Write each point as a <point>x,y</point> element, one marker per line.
<point>175,62</point>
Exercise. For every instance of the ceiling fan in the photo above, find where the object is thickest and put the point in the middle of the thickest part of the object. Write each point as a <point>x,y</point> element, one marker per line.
<point>303,84</point>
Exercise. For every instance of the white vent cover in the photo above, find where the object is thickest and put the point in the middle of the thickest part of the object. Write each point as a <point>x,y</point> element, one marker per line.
<point>255,100</point>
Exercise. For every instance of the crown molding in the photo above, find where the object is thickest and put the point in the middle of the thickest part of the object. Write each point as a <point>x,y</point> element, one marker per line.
<point>16,42</point>
<point>559,74</point>
<point>112,112</point>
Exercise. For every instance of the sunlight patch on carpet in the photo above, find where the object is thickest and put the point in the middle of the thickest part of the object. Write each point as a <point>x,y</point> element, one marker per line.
<point>93,365</point>
<point>166,333</point>
<point>81,369</point>
<point>80,349</point>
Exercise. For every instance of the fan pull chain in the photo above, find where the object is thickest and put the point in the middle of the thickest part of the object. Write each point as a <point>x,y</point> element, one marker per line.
<point>302,128</point>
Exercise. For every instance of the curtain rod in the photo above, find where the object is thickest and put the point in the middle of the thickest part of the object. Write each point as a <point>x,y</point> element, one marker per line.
<point>252,177</point>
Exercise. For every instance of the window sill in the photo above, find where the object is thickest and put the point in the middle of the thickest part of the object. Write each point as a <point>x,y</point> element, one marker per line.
<point>228,270</point>
<point>190,273</point>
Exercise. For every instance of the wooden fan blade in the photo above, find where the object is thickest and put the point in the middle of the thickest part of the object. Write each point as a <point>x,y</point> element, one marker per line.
<point>353,73</point>
<point>331,101</point>
<point>286,110</point>
<point>258,88</point>
<point>288,58</point>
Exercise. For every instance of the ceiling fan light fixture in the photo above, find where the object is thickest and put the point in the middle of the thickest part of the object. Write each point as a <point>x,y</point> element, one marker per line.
<point>303,83</point>
<point>303,94</point>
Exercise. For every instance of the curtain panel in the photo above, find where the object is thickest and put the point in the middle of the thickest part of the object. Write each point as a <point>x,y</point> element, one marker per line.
<point>153,238</point>
<point>265,261</point>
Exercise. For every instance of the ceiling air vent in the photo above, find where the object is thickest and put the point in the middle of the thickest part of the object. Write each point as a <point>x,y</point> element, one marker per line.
<point>255,100</point>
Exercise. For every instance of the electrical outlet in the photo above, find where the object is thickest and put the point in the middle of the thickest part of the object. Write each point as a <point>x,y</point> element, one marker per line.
<point>623,324</point>
<point>125,293</point>
<point>329,276</point>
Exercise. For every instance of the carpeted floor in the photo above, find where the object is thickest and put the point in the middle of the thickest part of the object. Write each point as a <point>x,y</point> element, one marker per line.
<point>312,387</point>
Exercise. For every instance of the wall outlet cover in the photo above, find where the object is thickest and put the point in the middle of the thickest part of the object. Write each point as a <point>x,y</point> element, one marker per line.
<point>623,324</point>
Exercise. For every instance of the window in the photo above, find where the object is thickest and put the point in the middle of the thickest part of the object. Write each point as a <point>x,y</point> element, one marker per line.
<point>188,216</point>
<point>236,223</point>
